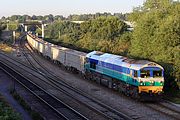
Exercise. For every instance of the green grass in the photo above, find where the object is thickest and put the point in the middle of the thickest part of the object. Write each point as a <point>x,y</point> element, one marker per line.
<point>6,112</point>
<point>33,114</point>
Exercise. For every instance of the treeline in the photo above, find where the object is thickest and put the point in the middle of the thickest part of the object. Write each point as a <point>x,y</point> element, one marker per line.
<point>107,34</point>
<point>12,25</point>
<point>51,18</point>
<point>85,17</point>
<point>156,36</point>
<point>2,27</point>
<point>14,20</point>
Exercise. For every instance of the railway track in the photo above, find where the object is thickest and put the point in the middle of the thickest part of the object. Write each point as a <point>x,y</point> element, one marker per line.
<point>165,110</point>
<point>104,110</point>
<point>26,53</point>
<point>63,110</point>
<point>56,80</point>
<point>76,94</point>
<point>95,105</point>
<point>155,106</point>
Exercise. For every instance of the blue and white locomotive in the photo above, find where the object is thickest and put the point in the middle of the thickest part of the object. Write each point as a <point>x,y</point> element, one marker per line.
<point>133,77</point>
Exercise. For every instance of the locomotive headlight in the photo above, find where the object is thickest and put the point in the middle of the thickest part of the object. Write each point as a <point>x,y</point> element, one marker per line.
<point>152,81</point>
<point>141,82</point>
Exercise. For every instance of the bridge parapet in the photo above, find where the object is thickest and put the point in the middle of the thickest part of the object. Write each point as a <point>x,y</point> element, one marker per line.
<point>37,23</point>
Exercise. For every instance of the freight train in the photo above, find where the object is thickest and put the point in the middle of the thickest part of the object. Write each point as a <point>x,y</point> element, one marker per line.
<point>136,78</point>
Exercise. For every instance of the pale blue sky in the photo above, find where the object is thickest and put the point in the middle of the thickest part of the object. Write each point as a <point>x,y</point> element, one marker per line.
<point>65,7</point>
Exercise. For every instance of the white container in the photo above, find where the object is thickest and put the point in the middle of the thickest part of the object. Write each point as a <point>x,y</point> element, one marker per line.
<point>75,59</point>
<point>47,49</point>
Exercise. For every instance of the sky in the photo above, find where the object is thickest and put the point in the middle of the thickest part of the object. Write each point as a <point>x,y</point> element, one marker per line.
<point>66,7</point>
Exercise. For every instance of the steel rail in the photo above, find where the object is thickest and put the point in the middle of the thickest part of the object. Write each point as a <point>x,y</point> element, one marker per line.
<point>62,109</point>
<point>107,111</point>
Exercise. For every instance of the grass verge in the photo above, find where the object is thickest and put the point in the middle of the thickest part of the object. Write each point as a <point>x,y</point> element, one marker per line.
<point>35,115</point>
<point>6,112</point>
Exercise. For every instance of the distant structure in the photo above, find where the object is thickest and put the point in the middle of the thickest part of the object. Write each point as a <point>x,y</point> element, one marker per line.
<point>130,24</point>
<point>37,23</point>
<point>78,22</point>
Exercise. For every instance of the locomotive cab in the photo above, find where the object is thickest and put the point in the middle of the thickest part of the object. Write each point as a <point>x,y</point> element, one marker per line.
<point>151,80</point>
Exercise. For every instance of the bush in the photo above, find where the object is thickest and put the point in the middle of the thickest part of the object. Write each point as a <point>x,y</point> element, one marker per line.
<point>6,112</point>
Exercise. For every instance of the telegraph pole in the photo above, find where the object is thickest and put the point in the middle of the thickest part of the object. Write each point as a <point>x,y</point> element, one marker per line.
<point>42,31</point>
<point>7,25</point>
<point>25,28</point>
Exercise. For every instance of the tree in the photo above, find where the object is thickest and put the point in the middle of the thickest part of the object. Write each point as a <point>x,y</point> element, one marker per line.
<point>157,35</point>
<point>105,33</point>
<point>34,17</point>
<point>104,27</point>
<point>157,4</point>
<point>14,17</point>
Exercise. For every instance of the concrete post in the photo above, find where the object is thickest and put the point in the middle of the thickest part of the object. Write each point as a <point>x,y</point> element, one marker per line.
<point>7,25</point>
<point>14,35</point>
<point>42,30</point>
<point>25,28</point>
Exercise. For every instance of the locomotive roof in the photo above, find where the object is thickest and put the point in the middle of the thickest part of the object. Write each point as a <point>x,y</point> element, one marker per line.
<point>121,60</point>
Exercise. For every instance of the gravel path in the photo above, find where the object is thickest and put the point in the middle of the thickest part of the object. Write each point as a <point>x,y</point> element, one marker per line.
<point>6,83</point>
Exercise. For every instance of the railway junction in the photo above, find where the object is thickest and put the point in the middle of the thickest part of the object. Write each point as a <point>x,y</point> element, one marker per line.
<point>56,93</point>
